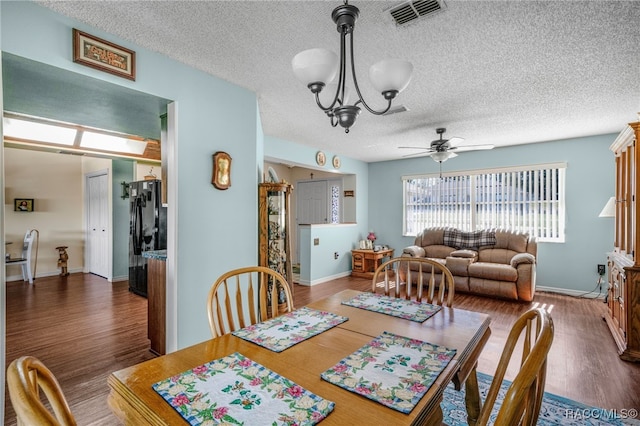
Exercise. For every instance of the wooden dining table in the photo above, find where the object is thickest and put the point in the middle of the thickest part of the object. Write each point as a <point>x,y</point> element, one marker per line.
<point>134,402</point>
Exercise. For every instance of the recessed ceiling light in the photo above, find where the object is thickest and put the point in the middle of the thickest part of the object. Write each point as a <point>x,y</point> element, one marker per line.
<point>114,143</point>
<point>29,130</point>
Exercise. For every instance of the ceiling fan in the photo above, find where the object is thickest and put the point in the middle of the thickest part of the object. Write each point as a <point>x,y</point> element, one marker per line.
<point>443,149</point>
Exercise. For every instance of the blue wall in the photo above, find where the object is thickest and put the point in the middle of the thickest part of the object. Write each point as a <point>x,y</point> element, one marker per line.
<point>122,171</point>
<point>212,115</point>
<point>590,181</point>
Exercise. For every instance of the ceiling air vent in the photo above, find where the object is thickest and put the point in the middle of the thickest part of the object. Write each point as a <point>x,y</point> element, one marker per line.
<point>396,109</point>
<point>410,11</point>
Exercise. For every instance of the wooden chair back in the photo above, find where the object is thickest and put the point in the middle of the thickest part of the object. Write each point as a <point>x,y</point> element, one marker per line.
<point>246,296</point>
<point>422,279</point>
<point>26,376</point>
<point>522,402</point>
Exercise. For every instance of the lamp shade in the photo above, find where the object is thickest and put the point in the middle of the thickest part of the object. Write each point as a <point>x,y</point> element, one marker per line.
<point>315,66</point>
<point>391,74</point>
<point>443,156</point>
<point>609,209</point>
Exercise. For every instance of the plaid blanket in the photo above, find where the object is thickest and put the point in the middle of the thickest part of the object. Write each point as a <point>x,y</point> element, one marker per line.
<point>468,240</point>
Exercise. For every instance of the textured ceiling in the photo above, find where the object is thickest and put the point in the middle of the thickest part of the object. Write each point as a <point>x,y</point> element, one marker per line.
<point>506,72</point>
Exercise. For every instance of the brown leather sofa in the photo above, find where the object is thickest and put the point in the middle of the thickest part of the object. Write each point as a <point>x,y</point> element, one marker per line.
<point>496,263</point>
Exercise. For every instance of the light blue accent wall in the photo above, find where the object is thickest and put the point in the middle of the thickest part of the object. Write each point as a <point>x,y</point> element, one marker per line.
<point>214,227</point>
<point>590,182</point>
<point>318,263</point>
<point>341,238</point>
<point>122,171</point>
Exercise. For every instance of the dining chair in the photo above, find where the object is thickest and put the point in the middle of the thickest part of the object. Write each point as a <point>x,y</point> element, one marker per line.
<point>246,296</point>
<point>25,259</point>
<point>26,376</point>
<point>533,331</point>
<point>432,280</point>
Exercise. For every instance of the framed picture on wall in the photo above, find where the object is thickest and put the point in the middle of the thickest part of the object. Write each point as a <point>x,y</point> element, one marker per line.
<point>23,204</point>
<point>221,170</point>
<point>102,55</point>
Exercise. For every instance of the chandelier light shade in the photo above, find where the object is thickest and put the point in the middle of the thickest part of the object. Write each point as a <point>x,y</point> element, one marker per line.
<point>390,75</point>
<point>317,68</point>
<point>315,65</point>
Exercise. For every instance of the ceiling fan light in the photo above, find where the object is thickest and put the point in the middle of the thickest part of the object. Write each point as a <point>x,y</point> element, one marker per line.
<point>390,75</point>
<point>442,156</point>
<point>315,66</point>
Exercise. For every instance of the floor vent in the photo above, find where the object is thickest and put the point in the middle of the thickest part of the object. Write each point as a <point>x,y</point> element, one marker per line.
<point>410,11</point>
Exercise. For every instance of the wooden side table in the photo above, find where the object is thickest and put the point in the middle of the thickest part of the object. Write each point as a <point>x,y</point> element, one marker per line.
<point>365,262</point>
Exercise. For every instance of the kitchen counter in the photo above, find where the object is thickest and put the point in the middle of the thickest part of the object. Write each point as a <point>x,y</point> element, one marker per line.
<point>156,293</point>
<point>155,254</point>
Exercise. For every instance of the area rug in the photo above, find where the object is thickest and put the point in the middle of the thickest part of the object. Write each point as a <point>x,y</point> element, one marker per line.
<point>556,410</point>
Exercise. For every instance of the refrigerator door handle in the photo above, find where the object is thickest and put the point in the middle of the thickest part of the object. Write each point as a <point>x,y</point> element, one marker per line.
<point>137,227</point>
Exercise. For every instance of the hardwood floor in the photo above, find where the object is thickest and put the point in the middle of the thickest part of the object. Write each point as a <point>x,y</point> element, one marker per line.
<point>84,327</point>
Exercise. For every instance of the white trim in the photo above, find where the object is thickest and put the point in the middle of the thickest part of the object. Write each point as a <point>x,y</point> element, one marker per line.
<point>571,292</point>
<point>559,165</point>
<point>172,229</point>
<point>13,278</point>
<point>324,279</point>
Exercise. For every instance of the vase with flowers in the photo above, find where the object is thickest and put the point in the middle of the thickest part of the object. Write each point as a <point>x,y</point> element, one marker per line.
<point>371,237</point>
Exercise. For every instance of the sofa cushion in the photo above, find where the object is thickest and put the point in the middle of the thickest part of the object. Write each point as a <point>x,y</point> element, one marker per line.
<point>496,255</point>
<point>413,251</point>
<point>430,236</point>
<point>438,251</point>
<point>467,254</point>
<point>493,271</point>
<point>459,266</point>
<point>468,240</point>
<point>511,241</point>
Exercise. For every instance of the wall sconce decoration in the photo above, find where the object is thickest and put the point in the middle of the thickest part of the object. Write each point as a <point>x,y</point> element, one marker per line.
<point>125,190</point>
<point>221,170</point>
<point>23,204</point>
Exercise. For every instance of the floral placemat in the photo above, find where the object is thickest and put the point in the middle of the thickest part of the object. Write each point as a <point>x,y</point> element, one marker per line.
<point>284,331</point>
<point>236,390</point>
<point>401,308</point>
<point>393,370</point>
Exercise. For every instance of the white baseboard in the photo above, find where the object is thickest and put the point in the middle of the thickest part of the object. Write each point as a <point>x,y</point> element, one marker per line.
<point>121,278</point>
<point>41,274</point>
<point>571,292</point>
<point>324,279</point>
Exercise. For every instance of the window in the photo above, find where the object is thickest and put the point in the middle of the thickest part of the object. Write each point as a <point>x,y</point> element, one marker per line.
<point>524,199</point>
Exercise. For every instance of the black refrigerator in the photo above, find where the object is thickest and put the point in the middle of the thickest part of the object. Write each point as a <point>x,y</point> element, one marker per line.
<point>147,230</point>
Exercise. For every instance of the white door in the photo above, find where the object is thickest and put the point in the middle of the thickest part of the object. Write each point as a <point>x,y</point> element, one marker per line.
<point>98,225</point>
<point>312,202</point>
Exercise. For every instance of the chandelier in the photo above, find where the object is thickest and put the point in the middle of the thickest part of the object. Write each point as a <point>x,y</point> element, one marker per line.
<point>318,67</point>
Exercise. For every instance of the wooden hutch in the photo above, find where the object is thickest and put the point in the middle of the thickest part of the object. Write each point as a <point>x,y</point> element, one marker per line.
<point>274,230</point>
<point>623,295</point>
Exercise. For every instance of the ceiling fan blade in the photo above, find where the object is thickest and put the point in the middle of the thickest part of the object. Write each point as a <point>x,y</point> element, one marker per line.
<point>455,141</point>
<point>417,154</point>
<point>473,147</point>
<point>415,147</point>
